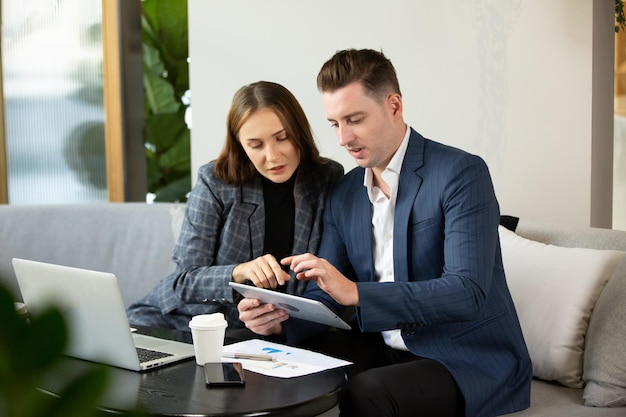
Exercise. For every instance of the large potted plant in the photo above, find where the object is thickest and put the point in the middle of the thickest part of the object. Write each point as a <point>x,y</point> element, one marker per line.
<point>166,88</point>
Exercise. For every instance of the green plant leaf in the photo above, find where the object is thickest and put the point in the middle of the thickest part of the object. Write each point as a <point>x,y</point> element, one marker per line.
<point>165,24</point>
<point>182,80</point>
<point>168,20</point>
<point>148,35</point>
<point>169,158</point>
<point>29,350</point>
<point>175,190</point>
<point>154,175</point>
<point>11,329</point>
<point>160,95</point>
<point>44,341</point>
<point>152,61</point>
<point>177,156</point>
<point>164,130</point>
<point>80,396</point>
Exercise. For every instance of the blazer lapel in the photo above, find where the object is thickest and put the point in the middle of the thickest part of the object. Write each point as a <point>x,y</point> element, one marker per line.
<point>361,213</point>
<point>408,188</point>
<point>305,196</point>
<point>252,202</point>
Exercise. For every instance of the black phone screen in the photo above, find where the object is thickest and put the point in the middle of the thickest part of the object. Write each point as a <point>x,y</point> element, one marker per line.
<point>221,374</point>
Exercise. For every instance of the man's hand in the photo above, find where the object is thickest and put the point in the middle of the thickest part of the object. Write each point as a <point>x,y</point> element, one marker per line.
<point>309,267</point>
<point>263,319</point>
<point>264,271</point>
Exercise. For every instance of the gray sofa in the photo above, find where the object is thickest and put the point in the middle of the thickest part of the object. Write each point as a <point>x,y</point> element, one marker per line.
<point>604,339</point>
<point>135,241</point>
<point>132,240</point>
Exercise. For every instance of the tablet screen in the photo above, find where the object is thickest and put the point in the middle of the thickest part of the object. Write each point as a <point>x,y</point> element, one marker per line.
<point>298,307</point>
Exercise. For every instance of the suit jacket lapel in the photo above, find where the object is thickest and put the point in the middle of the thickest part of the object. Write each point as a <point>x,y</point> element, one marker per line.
<point>305,196</point>
<point>408,187</point>
<point>252,199</point>
<point>360,213</point>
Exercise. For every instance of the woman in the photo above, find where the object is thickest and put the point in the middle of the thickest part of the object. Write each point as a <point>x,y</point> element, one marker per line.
<point>260,201</point>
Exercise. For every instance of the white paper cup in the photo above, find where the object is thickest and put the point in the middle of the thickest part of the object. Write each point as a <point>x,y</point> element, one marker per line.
<point>207,332</point>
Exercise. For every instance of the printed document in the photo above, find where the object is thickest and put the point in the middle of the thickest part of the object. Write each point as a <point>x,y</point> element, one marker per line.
<point>287,361</point>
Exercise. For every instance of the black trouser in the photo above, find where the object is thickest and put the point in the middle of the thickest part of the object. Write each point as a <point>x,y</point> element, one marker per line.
<point>385,382</point>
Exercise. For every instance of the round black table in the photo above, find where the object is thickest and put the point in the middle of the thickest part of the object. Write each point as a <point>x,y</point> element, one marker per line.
<point>179,389</point>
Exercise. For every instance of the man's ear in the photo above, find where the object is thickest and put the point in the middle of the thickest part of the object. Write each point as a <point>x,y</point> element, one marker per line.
<point>395,103</point>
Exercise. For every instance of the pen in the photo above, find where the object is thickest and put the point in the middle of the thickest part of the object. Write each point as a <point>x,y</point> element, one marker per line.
<point>251,356</point>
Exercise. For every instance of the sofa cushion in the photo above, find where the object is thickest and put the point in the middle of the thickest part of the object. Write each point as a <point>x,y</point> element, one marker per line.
<point>554,290</point>
<point>132,240</point>
<point>605,348</point>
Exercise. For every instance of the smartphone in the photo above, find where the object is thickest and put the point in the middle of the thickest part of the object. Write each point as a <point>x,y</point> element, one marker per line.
<point>224,374</point>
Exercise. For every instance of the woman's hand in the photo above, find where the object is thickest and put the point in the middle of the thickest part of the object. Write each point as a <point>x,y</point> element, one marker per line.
<point>263,319</point>
<point>264,272</point>
<point>309,267</point>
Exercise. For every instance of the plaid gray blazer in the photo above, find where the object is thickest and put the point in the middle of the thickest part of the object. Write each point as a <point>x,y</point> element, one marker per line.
<point>224,225</point>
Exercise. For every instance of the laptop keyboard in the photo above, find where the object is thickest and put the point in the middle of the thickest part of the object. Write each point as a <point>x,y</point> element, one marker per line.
<point>146,355</point>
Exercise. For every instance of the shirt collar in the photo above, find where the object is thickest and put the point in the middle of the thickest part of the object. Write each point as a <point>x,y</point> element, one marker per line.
<point>394,165</point>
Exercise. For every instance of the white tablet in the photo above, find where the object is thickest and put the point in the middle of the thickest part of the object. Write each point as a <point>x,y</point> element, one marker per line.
<point>299,307</point>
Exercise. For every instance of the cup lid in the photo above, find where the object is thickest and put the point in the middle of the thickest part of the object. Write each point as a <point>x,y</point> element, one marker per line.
<point>208,321</point>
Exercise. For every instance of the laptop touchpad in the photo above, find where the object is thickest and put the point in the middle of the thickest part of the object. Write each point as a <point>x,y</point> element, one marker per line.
<point>147,341</point>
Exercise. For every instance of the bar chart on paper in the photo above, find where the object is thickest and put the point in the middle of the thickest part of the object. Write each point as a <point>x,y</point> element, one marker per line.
<point>286,361</point>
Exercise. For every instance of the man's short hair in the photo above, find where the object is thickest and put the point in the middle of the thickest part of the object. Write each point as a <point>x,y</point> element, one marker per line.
<point>372,69</point>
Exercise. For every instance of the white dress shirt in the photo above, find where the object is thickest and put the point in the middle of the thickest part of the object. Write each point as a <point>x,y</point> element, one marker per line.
<point>382,225</point>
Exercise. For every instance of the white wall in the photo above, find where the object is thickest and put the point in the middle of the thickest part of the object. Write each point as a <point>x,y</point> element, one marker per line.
<point>518,82</point>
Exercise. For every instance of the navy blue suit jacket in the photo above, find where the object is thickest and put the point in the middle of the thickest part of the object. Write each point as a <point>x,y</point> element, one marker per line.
<point>450,298</point>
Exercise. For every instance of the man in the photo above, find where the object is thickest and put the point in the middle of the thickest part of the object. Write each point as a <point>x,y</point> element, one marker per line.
<point>411,240</point>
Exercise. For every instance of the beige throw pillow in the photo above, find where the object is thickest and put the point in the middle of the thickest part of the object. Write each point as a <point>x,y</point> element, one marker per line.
<point>554,290</point>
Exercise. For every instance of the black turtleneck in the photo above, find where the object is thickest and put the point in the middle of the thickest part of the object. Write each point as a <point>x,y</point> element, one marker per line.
<point>279,217</point>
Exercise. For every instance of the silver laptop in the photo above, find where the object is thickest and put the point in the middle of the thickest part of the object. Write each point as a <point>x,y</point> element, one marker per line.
<point>93,307</point>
